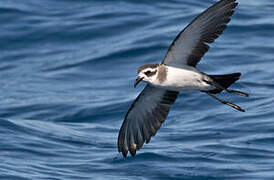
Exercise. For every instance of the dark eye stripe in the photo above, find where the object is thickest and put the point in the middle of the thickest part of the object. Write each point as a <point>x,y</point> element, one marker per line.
<point>150,73</point>
<point>147,73</point>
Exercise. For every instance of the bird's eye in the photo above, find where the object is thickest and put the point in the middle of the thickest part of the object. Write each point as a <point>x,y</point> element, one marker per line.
<point>147,73</point>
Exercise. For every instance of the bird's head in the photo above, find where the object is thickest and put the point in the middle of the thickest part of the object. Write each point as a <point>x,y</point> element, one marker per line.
<point>147,73</point>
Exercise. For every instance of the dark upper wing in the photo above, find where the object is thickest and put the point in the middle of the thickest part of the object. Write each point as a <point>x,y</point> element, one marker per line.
<point>144,118</point>
<point>191,44</point>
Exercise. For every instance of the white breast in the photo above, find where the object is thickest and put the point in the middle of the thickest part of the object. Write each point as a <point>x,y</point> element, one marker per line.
<point>183,79</point>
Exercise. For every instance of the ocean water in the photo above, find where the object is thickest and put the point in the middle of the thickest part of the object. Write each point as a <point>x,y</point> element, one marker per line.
<point>67,70</point>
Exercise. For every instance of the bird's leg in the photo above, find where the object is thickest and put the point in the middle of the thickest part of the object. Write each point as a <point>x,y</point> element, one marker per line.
<point>230,90</point>
<point>237,92</point>
<point>227,103</point>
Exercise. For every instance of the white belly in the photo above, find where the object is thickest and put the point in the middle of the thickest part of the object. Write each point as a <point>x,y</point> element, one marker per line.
<point>183,79</point>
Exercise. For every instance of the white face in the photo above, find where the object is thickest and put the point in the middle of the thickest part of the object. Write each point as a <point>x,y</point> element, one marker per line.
<point>148,74</point>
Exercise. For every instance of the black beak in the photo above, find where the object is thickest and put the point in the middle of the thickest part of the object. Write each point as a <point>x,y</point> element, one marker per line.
<point>139,79</point>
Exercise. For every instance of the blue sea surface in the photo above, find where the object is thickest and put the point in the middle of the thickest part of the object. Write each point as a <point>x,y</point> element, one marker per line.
<point>67,70</point>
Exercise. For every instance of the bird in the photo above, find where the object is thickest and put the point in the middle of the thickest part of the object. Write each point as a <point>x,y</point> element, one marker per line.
<point>175,74</point>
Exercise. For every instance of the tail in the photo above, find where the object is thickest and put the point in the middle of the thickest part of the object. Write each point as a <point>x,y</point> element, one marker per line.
<point>222,82</point>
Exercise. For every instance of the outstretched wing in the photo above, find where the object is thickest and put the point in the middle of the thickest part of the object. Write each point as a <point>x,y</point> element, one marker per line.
<point>191,43</point>
<point>144,118</point>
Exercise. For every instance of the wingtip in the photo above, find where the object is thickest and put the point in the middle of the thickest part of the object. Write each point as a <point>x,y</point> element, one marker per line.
<point>133,152</point>
<point>125,154</point>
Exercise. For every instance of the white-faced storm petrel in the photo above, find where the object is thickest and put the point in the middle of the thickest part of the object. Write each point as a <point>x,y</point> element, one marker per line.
<point>177,73</point>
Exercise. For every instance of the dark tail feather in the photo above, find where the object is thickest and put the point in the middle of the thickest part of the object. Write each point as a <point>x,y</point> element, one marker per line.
<point>223,81</point>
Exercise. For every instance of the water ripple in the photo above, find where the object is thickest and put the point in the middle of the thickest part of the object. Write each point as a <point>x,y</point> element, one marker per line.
<point>67,74</point>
